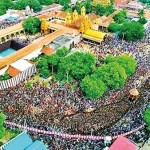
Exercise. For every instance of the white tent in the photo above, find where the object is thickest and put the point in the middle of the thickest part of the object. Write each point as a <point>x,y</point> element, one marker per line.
<point>21,65</point>
<point>33,54</point>
<point>2,71</point>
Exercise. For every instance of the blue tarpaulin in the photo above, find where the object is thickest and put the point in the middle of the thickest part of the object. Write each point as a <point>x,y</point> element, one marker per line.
<point>37,145</point>
<point>19,143</point>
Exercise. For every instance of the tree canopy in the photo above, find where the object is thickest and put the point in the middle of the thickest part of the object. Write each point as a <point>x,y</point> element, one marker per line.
<point>32,25</point>
<point>112,74</point>
<point>114,27</point>
<point>93,88</point>
<point>124,60</point>
<point>34,4</point>
<point>142,20</point>
<point>132,31</point>
<point>128,63</point>
<point>5,5</point>
<point>6,76</point>
<point>104,10</point>
<point>120,17</point>
<point>47,63</point>
<point>2,129</point>
<point>46,2</point>
<point>77,66</point>
<point>147,118</point>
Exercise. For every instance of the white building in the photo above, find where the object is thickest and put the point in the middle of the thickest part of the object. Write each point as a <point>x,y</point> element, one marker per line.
<point>136,5</point>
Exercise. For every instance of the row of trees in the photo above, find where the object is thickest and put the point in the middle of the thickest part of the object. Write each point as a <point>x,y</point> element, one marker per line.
<point>82,67</point>
<point>126,29</point>
<point>111,75</point>
<point>129,31</point>
<point>99,9</point>
<point>4,5</point>
<point>36,5</point>
<point>102,10</point>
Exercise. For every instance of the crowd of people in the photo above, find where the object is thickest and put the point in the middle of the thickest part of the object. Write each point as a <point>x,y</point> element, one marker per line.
<point>5,24</point>
<point>62,108</point>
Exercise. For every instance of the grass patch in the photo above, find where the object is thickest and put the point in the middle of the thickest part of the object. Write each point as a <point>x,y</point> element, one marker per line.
<point>9,134</point>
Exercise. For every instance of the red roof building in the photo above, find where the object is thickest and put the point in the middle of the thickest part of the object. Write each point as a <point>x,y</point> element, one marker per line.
<point>123,143</point>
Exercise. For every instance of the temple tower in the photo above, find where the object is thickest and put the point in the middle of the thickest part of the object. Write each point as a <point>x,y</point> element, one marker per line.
<point>75,15</point>
<point>68,19</point>
<point>83,11</point>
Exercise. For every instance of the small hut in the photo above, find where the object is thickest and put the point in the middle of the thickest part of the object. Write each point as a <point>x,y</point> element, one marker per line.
<point>133,94</point>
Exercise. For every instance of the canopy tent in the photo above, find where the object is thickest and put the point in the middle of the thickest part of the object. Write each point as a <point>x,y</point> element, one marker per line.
<point>123,143</point>
<point>20,142</point>
<point>34,54</point>
<point>96,34</point>
<point>18,67</point>
<point>37,145</point>
<point>24,142</point>
<point>2,71</point>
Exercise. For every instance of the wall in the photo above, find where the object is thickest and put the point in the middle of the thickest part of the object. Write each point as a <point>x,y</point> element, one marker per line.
<point>13,44</point>
<point>17,79</point>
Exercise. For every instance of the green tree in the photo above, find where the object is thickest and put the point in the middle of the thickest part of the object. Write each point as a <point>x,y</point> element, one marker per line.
<point>109,10</point>
<point>45,71</point>
<point>53,61</point>
<point>112,2</point>
<point>112,74</point>
<point>100,10</point>
<point>147,117</point>
<point>77,7</point>
<point>142,20</point>
<point>46,2</point>
<point>64,2</point>
<point>5,5</point>
<point>2,128</point>
<point>6,76</point>
<point>120,17</point>
<point>93,88</point>
<point>32,25</point>
<point>128,63</point>
<point>141,13</point>
<point>62,52</point>
<point>109,59</point>
<point>104,10</point>
<point>124,60</point>
<point>132,31</point>
<point>77,66</point>
<point>114,27</point>
<point>34,4</point>
<point>88,6</point>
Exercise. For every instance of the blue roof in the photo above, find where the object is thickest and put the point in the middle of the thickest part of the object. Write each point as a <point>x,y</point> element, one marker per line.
<point>19,143</point>
<point>37,145</point>
<point>11,18</point>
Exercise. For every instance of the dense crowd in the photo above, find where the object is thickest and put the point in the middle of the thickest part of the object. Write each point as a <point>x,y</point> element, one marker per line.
<point>6,24</point>
<point>61,108</point>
